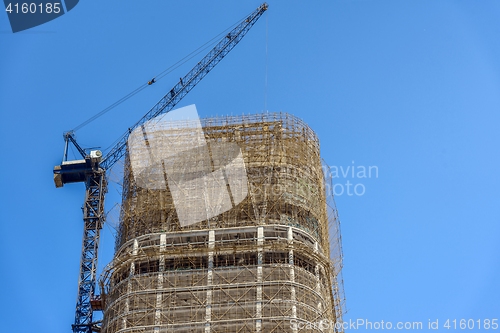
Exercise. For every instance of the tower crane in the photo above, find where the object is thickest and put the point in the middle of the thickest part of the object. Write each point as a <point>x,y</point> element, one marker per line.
<point>91,170</point>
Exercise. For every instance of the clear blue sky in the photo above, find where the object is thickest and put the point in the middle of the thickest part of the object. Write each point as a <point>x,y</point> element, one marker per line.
<point>411,87</point>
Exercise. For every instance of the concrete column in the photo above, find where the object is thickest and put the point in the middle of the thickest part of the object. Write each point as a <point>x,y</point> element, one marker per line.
<point>159,288</point>
<point>129,283</point>
<point>258,303</point>
<point>293,297</point>
<point>208,311</point>
<point>318,282</point>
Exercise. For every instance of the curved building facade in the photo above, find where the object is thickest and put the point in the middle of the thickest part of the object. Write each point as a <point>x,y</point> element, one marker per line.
<point>241,239</point>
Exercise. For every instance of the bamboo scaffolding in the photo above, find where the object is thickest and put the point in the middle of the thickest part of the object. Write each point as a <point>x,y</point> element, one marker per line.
<point>274,257</point>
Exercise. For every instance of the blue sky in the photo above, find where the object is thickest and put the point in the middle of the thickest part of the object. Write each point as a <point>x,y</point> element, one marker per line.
<point>410,87</point>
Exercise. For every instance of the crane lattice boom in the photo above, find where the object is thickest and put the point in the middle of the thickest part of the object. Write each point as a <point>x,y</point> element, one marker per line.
<point>91,170</point>
<point>188,82</point>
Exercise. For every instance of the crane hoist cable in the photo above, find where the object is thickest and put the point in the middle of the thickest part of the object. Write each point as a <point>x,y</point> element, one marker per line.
<point>157,77</point>
<point>112,106</point>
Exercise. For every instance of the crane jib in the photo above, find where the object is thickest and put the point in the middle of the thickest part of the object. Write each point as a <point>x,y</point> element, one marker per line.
<point>91,170</point>
<point>185,84</point>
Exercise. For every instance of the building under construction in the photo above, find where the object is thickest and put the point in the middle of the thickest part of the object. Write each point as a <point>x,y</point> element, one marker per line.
<point>254,248</point>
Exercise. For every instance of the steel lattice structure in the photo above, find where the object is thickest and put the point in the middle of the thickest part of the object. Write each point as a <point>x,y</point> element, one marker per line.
<point>188,82</point>
<point>91,170</point>
<point>93,217</point>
